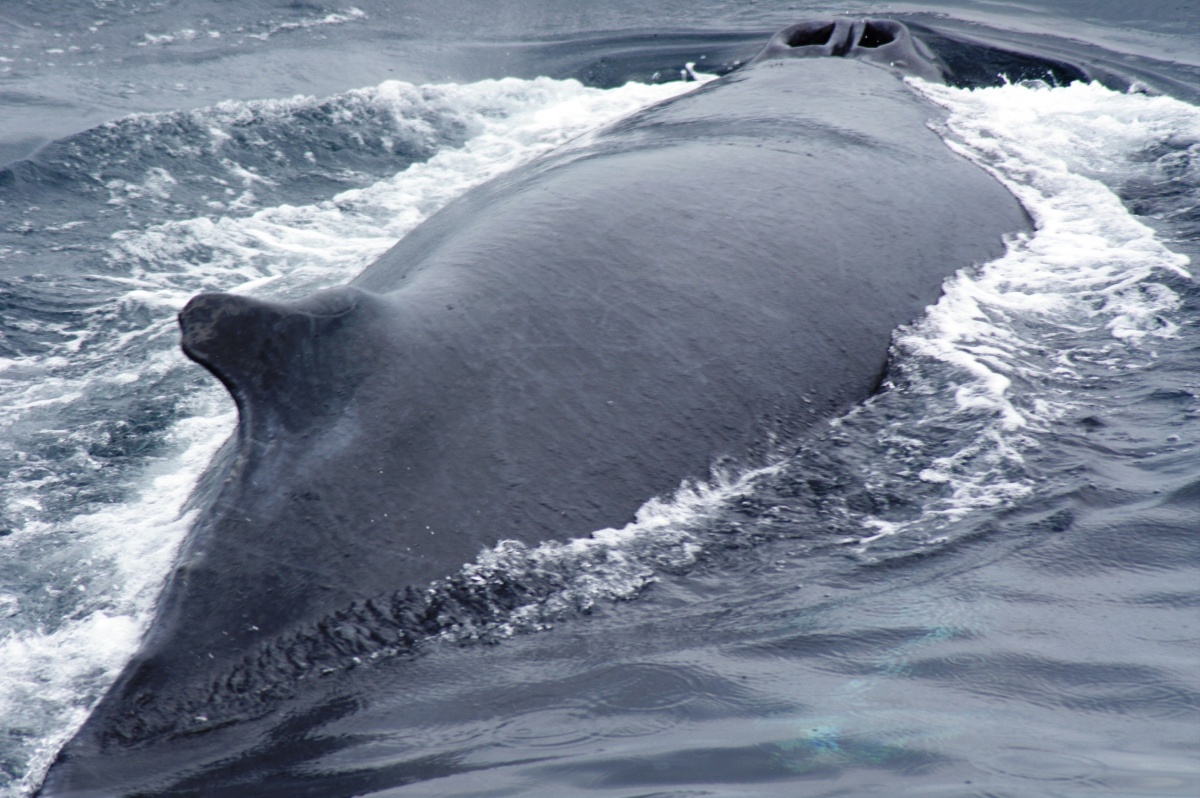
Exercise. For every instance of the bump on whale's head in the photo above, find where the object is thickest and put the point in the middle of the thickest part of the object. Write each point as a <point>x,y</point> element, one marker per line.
<point>882,42</point>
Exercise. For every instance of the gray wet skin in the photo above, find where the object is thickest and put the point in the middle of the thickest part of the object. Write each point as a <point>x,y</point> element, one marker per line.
<point>692,286</point>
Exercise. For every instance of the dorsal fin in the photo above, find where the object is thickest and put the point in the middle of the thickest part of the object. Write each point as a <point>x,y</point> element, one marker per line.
<point>283,363</point>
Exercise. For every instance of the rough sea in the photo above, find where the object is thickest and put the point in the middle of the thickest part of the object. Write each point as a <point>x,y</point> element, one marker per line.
<point>984,581</point>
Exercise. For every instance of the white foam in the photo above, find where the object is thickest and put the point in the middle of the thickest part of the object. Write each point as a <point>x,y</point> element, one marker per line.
<point>294,248</point>
<point>51,677</point>
<point>261,32</point>
<point>46,675</point>
<point>333,18</point>
<point>1091,272</point>
<point>610,564</point>
<point>157,182</point>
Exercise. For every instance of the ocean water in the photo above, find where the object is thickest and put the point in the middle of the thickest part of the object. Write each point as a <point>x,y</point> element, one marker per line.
<point>983,581</point>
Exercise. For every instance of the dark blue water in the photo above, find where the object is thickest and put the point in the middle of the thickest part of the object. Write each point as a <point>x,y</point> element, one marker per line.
<point>985,581</point>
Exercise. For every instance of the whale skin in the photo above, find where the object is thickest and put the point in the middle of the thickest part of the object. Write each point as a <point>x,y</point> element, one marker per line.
<point>694,286</point>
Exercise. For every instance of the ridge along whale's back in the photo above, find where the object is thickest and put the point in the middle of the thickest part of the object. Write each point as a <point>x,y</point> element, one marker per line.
<point>697,284</point>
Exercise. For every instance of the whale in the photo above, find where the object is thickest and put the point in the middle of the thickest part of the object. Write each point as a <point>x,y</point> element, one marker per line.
<point>693,288</point>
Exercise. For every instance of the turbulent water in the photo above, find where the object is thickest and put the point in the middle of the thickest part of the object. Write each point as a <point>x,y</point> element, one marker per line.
<point>982,581</point>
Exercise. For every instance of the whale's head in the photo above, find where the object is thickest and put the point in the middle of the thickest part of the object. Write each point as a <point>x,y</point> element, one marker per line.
<point>883,42</point>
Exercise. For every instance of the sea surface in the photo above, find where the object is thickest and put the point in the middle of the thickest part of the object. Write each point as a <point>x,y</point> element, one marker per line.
<point>984,581</point>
